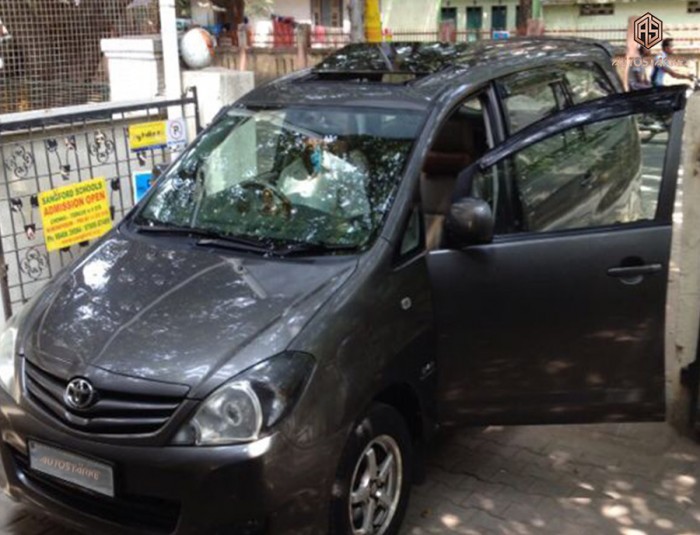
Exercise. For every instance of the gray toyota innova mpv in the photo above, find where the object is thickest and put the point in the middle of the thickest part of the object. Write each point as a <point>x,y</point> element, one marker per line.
<point>407,237</point>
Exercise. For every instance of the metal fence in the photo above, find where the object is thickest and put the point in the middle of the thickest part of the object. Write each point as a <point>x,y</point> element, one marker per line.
<point>615,36</point>
<point>51,150</point>
<point>50,50</point>
<point>686,37</point>
<point>322,37</point>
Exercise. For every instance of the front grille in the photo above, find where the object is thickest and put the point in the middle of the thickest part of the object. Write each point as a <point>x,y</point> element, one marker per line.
<point>113,413</point>
<point>136,512</point>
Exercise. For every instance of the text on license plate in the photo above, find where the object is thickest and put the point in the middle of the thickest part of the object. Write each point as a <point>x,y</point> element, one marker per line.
<point>86,473</point>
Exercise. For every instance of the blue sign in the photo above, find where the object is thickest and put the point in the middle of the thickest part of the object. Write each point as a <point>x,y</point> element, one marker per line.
<point>501,34</point>
<point>140,184</point>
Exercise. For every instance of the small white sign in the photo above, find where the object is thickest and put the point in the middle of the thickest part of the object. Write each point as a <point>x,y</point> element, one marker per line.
<point>177,134</point>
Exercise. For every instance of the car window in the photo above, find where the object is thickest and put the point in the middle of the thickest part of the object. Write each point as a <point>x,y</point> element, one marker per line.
<point>607,173</point>
<point>411,241</point>
<point>309,175</point>
<point>587,82</point>
<point>530,96</point>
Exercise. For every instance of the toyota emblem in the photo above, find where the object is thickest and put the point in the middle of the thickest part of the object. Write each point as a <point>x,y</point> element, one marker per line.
<point>79,394</point>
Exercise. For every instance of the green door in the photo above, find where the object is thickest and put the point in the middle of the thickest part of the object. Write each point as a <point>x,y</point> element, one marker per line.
<point>498,17</point>
<point>475,22</point>
<point>448,14</point>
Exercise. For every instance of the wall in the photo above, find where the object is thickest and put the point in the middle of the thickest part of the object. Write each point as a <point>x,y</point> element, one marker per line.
<point>267,63</point>
<point>396,14</point>
<point>202,15</point>
<point>413,15</point>
<point>683,305</point>
<point>217,87</point>
<point>486,5</point>
<point>299,9</point>
<point>672,12</point>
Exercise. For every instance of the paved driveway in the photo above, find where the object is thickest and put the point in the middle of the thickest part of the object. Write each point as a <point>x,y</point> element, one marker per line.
<point>603,479</point>
<point>627,479</point>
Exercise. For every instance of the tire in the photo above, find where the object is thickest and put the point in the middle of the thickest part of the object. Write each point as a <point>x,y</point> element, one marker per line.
<point>382,429</point>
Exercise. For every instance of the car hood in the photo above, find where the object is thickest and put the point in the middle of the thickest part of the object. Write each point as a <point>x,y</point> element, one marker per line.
<point>156,309</point>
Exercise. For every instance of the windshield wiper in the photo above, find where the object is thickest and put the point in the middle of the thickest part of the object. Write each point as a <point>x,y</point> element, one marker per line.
<point>208,238</point>
<point>164,229</point>
<point>237,244</point>
<point>316,248</point>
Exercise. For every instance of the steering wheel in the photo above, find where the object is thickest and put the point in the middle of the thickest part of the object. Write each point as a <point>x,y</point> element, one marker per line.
<point>273,200</point>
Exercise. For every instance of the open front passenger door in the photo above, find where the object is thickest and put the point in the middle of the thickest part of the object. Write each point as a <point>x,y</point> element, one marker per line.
<point>560,316</point>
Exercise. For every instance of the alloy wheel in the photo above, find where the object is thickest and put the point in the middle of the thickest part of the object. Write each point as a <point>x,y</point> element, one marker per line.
<point>376,487</point>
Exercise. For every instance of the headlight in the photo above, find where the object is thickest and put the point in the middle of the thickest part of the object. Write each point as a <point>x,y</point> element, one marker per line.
<point>8,340</point>
<point>250,404</point>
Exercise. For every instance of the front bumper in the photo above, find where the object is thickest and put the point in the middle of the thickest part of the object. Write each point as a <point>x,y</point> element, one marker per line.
<point>270,486</point>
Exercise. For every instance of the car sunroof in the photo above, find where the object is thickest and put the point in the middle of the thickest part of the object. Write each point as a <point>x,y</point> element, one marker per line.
<point>389,62</point>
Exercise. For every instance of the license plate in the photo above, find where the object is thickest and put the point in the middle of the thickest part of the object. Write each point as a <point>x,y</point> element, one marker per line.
<point>86,473</point>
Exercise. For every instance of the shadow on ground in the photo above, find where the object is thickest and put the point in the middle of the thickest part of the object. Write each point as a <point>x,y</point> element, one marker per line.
<point>625,479</point>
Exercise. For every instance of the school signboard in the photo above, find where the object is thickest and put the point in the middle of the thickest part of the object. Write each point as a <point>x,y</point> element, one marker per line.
<point>75,213</point>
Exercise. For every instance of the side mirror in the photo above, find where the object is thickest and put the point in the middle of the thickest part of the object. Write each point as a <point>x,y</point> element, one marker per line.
<point>469,222</point>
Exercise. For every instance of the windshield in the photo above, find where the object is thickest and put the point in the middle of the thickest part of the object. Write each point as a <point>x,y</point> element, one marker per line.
<point>294,175</point>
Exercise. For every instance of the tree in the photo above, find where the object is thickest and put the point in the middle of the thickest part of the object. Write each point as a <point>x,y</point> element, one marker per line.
<point>183,8</point>
<point>259,8</point>
<point>237,9</point>
<point>524,14</point>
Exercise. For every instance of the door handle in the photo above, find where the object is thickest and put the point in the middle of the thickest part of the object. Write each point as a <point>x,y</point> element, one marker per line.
<point>631,272</point>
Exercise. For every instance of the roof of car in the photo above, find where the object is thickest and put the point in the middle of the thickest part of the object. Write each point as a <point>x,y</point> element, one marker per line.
<point>413,75</point>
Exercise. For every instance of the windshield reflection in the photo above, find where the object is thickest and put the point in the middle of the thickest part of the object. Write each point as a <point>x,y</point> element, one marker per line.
<point>291,176</point>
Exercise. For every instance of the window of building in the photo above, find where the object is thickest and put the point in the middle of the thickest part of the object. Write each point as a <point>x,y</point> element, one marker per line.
<point>448,13</point>
<point>694,6</point>
<point>475,23</point>
<point>328,12</point>
<point>590,10</point>
<point>499,18</point>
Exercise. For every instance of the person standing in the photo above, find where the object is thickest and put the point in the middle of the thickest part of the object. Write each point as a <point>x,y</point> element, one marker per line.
<point>638,78</point>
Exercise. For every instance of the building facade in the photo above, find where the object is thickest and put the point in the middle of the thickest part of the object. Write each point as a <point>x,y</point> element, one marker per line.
<point>487,15</point>
<point>477,17</point>
<point>397,15</point>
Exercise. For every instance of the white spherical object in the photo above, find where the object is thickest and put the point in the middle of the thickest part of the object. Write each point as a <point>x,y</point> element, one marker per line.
<point>197,48</point>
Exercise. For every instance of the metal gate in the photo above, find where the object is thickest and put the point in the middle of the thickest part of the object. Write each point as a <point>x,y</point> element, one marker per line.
<point>44,150</point>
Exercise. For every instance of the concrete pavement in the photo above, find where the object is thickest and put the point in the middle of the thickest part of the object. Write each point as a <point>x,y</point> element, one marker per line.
<point>623,479</point>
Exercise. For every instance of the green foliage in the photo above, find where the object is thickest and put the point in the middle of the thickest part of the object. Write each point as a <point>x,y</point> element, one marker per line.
<point>182,8</point>
<point>259,8</point>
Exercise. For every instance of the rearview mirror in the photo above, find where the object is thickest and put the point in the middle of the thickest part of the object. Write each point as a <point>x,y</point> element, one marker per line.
<point>469,222</point>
